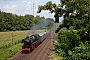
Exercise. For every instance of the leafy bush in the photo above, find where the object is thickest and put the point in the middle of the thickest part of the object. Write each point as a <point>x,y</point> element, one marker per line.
<point>83,32</point>
<point>66,41</point>
<point>82,52</point>
<point>69,46</point>
<point>8,52</point>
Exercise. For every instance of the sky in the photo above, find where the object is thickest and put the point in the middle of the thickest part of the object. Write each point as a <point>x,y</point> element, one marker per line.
<point>23,7</point>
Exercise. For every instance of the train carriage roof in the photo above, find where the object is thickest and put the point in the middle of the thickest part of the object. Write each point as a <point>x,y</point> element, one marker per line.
<point>42,33</point>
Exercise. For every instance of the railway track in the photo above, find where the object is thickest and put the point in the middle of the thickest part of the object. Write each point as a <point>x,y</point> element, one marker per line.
<point>40,53</point>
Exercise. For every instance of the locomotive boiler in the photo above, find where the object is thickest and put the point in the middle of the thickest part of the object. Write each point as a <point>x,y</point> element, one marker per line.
<point>33,41</point>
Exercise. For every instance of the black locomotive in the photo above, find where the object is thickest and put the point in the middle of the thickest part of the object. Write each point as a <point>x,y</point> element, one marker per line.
<point>31,42</point>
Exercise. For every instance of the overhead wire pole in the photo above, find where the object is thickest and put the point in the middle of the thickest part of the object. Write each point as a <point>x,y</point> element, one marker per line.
<point>33,7</point>
<point>12,41</point>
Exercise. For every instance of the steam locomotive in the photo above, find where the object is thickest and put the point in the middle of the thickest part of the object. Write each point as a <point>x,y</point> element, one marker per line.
<point>33,41</point>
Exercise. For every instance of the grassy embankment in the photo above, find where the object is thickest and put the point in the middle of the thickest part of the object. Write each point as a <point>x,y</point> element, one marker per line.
<point>6,48</point>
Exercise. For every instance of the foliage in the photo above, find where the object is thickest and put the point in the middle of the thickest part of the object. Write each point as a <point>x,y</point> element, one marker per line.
<point>37,18</point>
<point>83,33</point>
<point>53,8</point>
<point>69,46</point>
<point>76,13</point>
<point>13,22</point>
<point>10,22</point>
<point>67,40</point>
<point>8,52</point>
<point>82,52</point>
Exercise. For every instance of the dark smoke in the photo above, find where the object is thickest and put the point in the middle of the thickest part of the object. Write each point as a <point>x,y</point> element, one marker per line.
<point>42,24</point>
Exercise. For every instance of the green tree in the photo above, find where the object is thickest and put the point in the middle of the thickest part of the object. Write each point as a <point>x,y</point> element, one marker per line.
<point>30,19</point>
<point>9,21</point>
<point>70,9</point>
<point>53,8</point>
<point>37,18</point>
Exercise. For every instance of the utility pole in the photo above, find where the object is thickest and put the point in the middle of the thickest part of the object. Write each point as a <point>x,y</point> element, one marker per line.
<point>33,7</point>
<point>12,41</point>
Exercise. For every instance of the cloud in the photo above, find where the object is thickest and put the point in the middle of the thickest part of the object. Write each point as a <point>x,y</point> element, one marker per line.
<point>20,9</point>
<point>35,1</point>
<point>24,1</point>
<point>7,0</point>
<point>10,9</point>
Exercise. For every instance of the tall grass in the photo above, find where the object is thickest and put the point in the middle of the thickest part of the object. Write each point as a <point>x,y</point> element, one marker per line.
<point>6,37</point>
